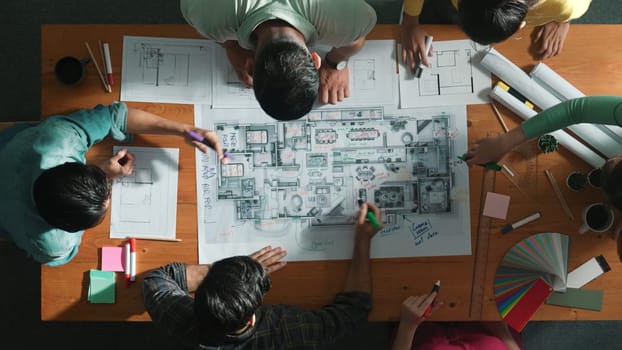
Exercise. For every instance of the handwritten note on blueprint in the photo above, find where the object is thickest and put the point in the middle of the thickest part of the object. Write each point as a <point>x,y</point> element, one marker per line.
<point>144,204</point>
<point>296,184</point>
<point>167,70</point>
<point>454,78</point>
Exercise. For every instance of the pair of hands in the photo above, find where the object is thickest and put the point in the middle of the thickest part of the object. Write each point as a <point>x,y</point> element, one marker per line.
<point>270,258</point>
<point>122,163</point>
<point>334,84</point>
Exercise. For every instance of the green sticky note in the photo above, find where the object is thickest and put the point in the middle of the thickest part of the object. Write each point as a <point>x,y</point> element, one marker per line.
<point>579,298</point>
<point>101,287</point>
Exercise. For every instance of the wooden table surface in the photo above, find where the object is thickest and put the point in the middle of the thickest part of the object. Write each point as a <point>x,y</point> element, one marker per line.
<point>586,62</point>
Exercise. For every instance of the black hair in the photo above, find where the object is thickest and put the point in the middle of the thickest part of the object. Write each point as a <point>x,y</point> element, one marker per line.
<point>72,196</point>
<point>285,80</point>
<point>230,294</point>
<point>492,21</point>
<point>611,181</point>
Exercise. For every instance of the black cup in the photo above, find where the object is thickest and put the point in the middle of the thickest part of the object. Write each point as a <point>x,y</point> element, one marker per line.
<point>594,177</point>
<point>576,181</point>
<point>70,70</point>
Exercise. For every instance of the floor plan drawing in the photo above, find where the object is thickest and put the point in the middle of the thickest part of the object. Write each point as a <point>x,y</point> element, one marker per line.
<point>228,90</point>
<point>454,77</point>
<point>296,184</point>
<point>144,204</point>
<point>166,70</point>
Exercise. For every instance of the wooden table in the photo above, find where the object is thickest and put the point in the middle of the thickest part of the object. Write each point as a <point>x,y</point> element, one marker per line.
<point>586,62</point>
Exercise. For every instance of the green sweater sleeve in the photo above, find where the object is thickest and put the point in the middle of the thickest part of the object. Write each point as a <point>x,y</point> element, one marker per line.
<point>592,109</point>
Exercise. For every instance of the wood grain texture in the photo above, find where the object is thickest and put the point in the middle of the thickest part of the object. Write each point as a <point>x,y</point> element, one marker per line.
<point>586,62</point>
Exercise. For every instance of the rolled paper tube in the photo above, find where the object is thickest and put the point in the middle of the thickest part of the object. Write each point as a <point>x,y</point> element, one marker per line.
<point>563,138</point>
<point>562,89</point>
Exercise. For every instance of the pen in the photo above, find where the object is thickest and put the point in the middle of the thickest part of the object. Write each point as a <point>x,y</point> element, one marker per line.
<point>435,289</point>
<point>370,216</point>
<point>126,250</point>
<point>198,137</point>
<point>421,66</point>
<point>108,63</point>
<point>521,222</point>
<point>490,165</point>
<point>132,259</point>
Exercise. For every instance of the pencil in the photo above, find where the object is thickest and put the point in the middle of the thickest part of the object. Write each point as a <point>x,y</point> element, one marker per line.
<point>159,239</point>
<point>101,76</point>
<point>560,196</point>
<point>498,114</point>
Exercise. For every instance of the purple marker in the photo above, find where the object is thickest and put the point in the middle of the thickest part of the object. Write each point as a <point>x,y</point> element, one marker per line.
<point>198,137</point>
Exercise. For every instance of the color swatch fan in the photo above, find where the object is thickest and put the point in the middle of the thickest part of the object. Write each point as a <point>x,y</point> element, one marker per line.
<point>528,274</point>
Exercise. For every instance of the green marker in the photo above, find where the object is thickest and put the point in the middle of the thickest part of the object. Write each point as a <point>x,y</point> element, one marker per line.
<point>370,216</point>
<point>490,165</point>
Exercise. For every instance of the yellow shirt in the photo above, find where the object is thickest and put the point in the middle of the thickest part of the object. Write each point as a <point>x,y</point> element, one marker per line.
<point>543,12</point>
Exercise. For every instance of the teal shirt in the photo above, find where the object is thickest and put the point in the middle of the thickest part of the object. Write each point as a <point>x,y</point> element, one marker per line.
<point>25,152</point>
<point>592,109</point>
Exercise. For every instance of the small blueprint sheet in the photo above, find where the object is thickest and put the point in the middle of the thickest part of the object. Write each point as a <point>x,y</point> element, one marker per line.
<point>167,70</point>
<point>144,204</point>
<point>296,184</point>
<point>454,78</point>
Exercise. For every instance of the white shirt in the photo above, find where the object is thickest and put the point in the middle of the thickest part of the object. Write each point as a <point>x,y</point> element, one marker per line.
<point>330,22</point>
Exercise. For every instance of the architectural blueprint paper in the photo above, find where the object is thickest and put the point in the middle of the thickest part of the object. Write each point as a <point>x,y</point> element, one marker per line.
<point>454,78</point>
<point>228,91</point>
<point>296,184</point>
<point>167,70</point>
<point>144,204</point>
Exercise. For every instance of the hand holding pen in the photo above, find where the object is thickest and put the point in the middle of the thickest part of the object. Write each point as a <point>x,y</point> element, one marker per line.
<point>364,228</point>
<point>206,139</point>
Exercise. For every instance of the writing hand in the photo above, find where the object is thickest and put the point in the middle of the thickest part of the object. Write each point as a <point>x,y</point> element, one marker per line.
<point>334,85</point>
<point>549,39</point>
<point>486,150</point>
<point>241,60</point>
<point>121,164</point>
<point>270,258</point>
<point>363,229</point>
<point>413,43</point>
<point>414,308</point>
<point>210,137</point>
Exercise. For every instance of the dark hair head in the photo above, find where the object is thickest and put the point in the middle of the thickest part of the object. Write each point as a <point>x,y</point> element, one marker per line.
<point>491,21</point>
<point>285,79</point>
<point>611,183</point>
<point>230,294</point>
<point>72,196</point>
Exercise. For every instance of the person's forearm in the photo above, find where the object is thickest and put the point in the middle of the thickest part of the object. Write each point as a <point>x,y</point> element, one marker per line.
<point>404,337</point>
<point>338,54</point>
<point>195,274</point>
<point>513,138</point>
<point>359,273</point>
<point>143,122</point>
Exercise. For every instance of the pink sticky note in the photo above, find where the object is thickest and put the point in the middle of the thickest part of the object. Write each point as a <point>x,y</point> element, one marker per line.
<point>112,259</point>
<point>496,205</point>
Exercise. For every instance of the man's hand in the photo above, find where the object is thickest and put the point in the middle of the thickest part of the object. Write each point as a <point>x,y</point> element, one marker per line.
<point>121,164</point>
<point>334,85</point>
<point>413,309</point>
<point>363,229</point>
<point>413,43</point>
<point>549,39</point>
<point>270,258</point>
<point>212,138</point>
<point>241,60</point>
<point>490,149</point>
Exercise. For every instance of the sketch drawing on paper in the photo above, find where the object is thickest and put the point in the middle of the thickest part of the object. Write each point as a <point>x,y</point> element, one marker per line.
<point>166,70</point>
<point>144,203</point>
<point>454,78</point>
<point>298,182</point>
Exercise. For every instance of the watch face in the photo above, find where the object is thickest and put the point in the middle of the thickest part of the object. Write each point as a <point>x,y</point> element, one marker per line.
<point>341,65</point>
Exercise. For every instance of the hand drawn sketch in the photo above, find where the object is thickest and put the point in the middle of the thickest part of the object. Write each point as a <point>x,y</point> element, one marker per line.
<point>144,204</point>
<point>228,90</point>
<point>296,184</point>
<point>453,78</point>
<point>166,70</point>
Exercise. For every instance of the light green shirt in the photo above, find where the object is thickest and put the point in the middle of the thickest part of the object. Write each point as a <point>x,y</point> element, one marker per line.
<point>591,109</point>
<point>25,152</point>
<point>331,22</point>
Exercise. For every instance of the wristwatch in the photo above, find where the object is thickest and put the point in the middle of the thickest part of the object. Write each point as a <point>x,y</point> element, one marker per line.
<point>341,65</point>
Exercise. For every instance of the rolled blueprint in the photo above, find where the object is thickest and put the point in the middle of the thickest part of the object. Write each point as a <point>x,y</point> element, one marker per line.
<point>541,97</point>
<point>563,90</point>
<point>563,138</point>
<point>519,80</point>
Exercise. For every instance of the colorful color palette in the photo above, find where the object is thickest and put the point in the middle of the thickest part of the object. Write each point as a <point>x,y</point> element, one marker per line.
<point>528,274</point>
